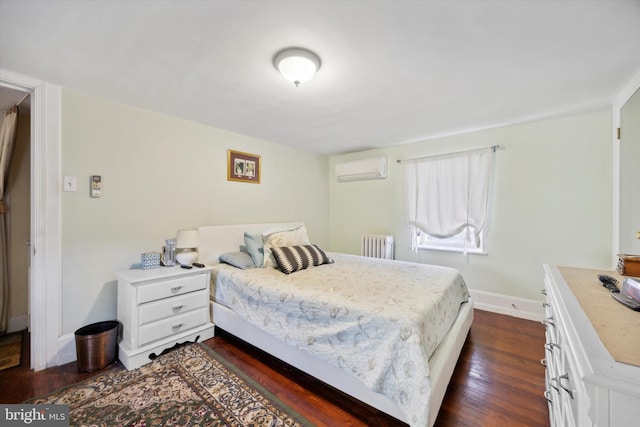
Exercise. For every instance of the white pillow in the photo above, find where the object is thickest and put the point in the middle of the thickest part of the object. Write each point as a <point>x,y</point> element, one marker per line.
<point>294,237</point>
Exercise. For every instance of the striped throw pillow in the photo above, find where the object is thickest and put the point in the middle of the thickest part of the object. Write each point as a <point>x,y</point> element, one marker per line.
<point>295,258</point>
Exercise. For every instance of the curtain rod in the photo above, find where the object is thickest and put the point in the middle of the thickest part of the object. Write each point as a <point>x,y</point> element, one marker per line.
<point>494,148</point>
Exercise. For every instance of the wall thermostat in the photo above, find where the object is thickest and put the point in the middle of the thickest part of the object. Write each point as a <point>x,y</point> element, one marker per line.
<point>96,186</point>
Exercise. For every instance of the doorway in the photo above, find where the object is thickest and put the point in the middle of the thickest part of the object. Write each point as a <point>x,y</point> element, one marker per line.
<point>629,213</point>
<point>45,254</point>
<point>17,200</point>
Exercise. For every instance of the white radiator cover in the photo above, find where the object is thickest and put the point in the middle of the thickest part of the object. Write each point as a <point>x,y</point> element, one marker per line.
<point>359,170</point>
<point>377,246</point>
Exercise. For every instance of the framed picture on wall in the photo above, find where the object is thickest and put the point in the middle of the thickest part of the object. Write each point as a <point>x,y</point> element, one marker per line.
<point>243,167</point>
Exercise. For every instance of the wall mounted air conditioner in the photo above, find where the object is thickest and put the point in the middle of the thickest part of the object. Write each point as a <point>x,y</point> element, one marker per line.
<point>358,170</point>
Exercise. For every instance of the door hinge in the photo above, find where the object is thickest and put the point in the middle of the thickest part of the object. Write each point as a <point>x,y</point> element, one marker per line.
<point>618,133</point>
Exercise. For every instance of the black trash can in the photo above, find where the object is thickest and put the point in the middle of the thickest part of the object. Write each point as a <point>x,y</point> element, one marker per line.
<point>96,345</point>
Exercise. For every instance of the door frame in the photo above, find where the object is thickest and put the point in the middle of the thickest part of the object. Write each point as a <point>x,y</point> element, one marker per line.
<point>622,98</point>
<point>45,279</point>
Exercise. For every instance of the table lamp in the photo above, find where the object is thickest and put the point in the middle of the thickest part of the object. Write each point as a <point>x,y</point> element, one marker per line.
<point>187,242</point>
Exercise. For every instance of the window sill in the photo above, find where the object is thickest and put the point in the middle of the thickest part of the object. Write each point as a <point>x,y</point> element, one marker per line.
<point>472,251</point>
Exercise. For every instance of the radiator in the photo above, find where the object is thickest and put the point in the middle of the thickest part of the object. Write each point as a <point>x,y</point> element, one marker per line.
<point>377,246</point>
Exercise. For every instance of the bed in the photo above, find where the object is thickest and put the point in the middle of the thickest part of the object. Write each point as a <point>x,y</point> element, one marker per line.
<point>370,344</point>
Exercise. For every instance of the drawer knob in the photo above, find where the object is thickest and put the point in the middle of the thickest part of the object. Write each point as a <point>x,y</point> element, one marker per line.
<point>178,307</point>
<point>176,288</point>
<point>178,326</point>
<point>549,346</point>
<point>562,386</point>
<point>547,395</point>
<point>567,390</point>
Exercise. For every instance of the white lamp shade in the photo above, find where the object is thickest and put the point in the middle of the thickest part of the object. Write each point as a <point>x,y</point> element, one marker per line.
<point>297,65</point>
<point>187,239</point>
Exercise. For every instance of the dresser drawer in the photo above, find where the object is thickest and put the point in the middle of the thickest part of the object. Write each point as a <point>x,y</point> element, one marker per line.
<point>173,325</point>
<point>167,307</point>
<point>173,287</point>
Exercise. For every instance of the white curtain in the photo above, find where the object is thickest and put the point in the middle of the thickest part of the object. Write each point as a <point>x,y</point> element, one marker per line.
<point>7,141</point>
<point>446,195</point>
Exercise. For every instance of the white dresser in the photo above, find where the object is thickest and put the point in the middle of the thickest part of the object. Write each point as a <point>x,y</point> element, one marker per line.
<point>160,308</point>
<point>585,385</point>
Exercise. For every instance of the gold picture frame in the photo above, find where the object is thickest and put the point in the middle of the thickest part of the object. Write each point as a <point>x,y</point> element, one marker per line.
<point>243,167</point>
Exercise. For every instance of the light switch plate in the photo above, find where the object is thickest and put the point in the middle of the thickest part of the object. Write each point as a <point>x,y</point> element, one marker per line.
<point>70,183</point>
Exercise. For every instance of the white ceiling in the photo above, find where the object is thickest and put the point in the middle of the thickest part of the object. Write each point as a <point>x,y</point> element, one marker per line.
<point>392,71</point>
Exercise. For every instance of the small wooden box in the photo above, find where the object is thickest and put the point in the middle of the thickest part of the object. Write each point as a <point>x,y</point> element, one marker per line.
<point>629,265</point>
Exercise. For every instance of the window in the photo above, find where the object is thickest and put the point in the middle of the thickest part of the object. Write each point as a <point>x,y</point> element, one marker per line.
<point>446,199</point>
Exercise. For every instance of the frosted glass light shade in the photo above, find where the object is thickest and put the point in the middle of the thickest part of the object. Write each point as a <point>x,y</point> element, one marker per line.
<point>187,239</point>
<point>297,65</point>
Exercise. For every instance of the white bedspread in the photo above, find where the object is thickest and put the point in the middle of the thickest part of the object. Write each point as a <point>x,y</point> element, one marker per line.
<point>379,320</point>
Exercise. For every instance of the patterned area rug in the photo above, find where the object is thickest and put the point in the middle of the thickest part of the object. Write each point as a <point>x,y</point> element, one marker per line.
<point>192,385</point>
<point>10,350</point>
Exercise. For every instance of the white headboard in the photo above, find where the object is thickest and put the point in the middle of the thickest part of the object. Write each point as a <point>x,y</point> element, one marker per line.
<point>217,239</point>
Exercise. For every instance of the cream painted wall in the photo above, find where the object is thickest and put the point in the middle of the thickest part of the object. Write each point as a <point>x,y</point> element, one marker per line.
<point>550,202</point>
<point>161,174</point>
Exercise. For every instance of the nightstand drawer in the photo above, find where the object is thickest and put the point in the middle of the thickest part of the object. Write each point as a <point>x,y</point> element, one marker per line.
<point>173,325</point>
<point>170,288</point>
<point>167,307</point>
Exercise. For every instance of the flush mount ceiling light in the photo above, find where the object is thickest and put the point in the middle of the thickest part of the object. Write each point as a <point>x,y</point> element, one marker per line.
<point>296,64</point>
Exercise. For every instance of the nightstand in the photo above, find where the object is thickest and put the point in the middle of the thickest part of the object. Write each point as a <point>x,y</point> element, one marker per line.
<point>160,308</point>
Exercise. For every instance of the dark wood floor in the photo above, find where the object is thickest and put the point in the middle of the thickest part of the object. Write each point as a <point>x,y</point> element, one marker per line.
<point>498,380</point>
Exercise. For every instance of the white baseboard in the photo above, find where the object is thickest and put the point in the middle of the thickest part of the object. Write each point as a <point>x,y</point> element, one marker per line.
<point>66,349</point>
<point>505,304</point>
<point>18,323</point>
